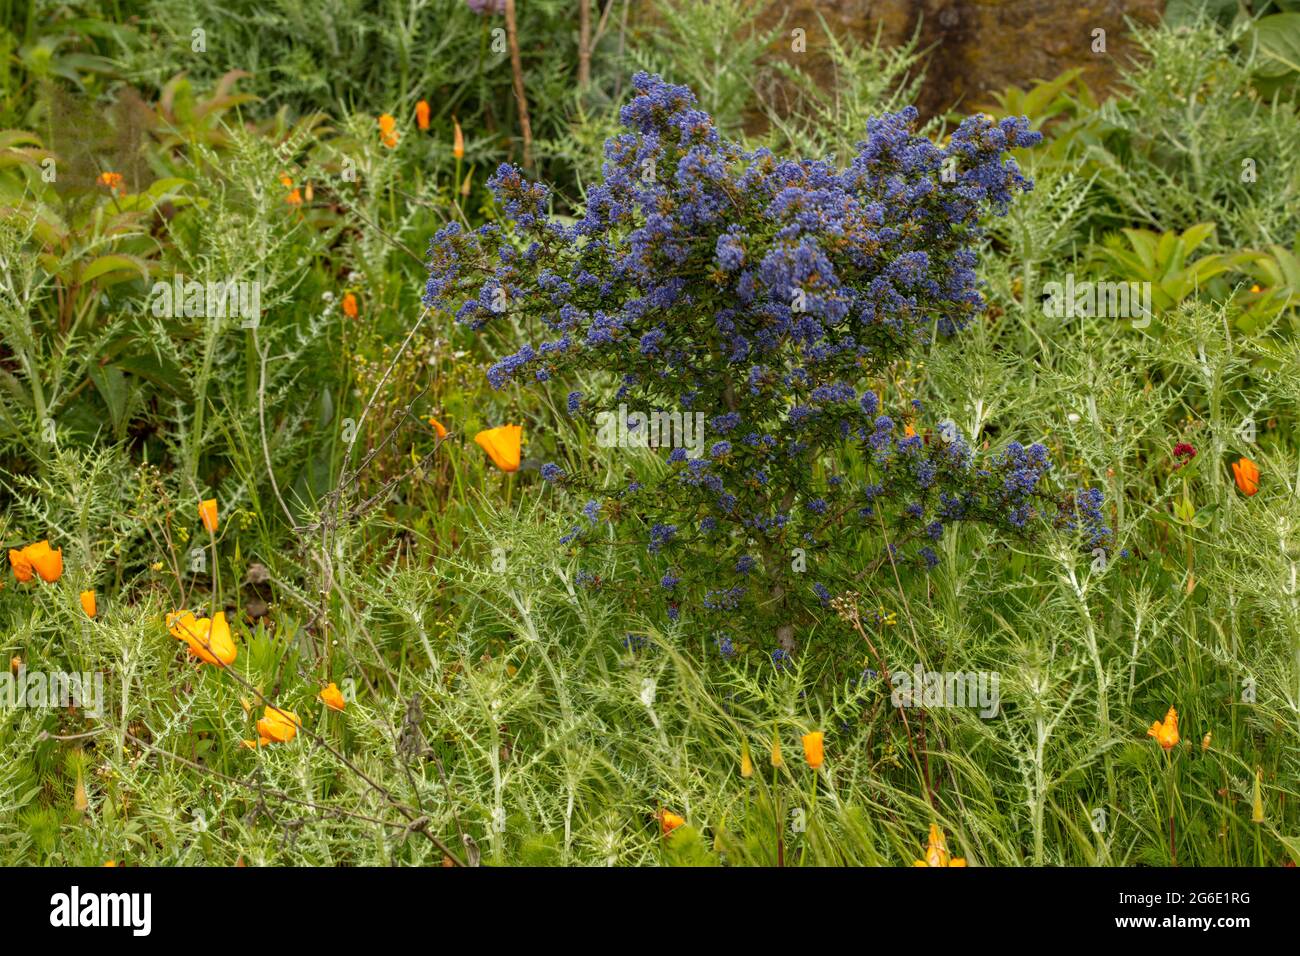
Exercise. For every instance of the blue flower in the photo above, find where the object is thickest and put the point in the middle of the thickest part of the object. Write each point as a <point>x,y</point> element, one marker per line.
<point>763,290</point>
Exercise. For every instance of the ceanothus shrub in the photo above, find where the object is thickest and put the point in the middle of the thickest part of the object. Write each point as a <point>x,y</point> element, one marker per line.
<point>765,294</point>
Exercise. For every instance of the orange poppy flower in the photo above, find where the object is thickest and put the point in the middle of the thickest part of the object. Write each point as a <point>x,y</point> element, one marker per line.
<point>349,305</point>
<point>208,640</point>
<point>113,182</point>
<point>332,697</point>
<point>208,514</point>
<point>21,565</point>
<point>457,141</point>
<point>38,557</point>
<point>422,114</point>
<point>294,198</point>
<point>503,445</point>
<point>936,851</point>
<point>277,725</point>
<point>1246,473</point>
<point>438,427</point>
<point>88,603</point>
<point>813,748</point>
<point>1166,734</point>
<point>388,130</point>
<point>669,821</point>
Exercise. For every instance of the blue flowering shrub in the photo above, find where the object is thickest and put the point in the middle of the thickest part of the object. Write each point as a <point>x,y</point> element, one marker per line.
<point>771,297</point>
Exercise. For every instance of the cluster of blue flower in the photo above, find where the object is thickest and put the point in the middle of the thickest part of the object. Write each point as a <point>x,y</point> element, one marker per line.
<point>763,292</point>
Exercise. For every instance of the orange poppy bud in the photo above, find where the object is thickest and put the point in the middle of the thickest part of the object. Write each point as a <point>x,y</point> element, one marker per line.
<point>47,562</point>
<point>1246,474</point>
<point>332,697</point>
<point>1166,734</point>
<point>669,821</point>
<point>309,193</point>
<point>777,759</point>
<point>277,725</point>
<point>388,130</point>
<point>111,863</point>
<point>503,445</point>
<point>21,565</point>
<point>438,427</point>
<point>349,305</point>
<point>813,748</point>
<point>457,141</point>
<point>88,603</point>
<point>936,851</point>
<point>746,765</point>
<point>208,514</point>
<point>422,114</point>
<point>15,664</point>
